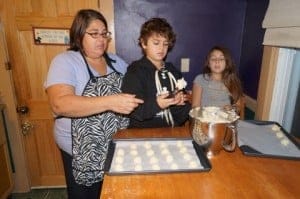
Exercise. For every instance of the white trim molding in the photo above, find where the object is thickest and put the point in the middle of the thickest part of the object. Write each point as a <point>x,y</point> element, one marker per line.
<point>281,84</point>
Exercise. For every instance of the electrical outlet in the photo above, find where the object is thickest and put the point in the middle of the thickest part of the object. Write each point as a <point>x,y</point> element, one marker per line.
<point>185,65</point>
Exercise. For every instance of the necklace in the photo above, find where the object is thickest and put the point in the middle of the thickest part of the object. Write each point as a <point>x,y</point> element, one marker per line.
<point>164,74</point>
<point>166,113</point>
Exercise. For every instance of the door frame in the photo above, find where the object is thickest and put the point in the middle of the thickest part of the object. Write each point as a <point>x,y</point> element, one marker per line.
<point>21,173</point>
<point>8,97</point>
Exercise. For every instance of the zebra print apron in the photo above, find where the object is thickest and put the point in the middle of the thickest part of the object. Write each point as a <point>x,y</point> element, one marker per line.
<point>91,135</point>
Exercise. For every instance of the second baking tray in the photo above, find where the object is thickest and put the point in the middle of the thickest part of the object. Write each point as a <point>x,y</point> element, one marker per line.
<point>266,139</point>
<point>155,155</point>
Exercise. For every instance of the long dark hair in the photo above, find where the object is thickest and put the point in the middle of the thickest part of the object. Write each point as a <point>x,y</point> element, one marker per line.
<point>229,75</point>
<point>80,23</point>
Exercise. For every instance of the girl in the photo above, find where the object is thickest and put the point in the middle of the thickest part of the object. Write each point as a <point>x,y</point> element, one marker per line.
<point>219,84</point>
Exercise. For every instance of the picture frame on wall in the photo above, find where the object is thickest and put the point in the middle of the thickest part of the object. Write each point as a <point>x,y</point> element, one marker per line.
<point>51,36</point>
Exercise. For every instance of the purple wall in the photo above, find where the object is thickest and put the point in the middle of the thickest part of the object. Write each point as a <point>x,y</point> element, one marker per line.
<point>252,48</point>
<point>199,25</point>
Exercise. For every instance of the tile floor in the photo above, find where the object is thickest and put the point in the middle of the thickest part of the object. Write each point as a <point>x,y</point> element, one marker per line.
<point>60,193</point>
<point>53,193</point>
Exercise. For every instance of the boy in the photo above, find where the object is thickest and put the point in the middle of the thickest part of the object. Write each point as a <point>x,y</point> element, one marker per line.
<point>155,81</point>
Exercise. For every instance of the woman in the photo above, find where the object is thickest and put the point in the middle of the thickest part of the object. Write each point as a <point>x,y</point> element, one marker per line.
<point>83,87</point>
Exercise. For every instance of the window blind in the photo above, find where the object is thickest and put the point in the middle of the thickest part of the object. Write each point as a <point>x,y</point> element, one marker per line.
<point>282,23</point>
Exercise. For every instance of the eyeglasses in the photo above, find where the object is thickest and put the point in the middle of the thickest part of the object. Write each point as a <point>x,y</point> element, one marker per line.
<point>96,35</point>
<point>217,59</point>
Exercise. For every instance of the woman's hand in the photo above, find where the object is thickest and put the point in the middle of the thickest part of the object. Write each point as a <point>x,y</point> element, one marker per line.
<point>124,103</point>
<point>64,102</point>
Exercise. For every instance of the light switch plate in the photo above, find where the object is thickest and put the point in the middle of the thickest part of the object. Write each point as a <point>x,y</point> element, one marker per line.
<point>185,65</point>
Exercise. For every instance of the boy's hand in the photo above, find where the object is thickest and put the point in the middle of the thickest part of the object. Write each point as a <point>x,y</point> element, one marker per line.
<point>164,101</point>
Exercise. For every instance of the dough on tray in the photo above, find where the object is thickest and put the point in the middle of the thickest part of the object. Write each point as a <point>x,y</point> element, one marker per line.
<point>187,156</point>
<point>169,158</point>
<point>150,152</point>
<point>147,145</point>
<point>275,127</point>
<point>138,167</point>
<point>153,160</point>
<point>285,142</point>
<point>163,145</point>
<point>279,134</point>
<point>120,152</point>
<point>137,160</point>
<point>174,166</point>
<point>179,143</point>
<point>165,151</point>
<point>133,152</point>
<point>193,164</point>
<point>156,156</point>
<point>133,146</point>
<point>182,149</point>
<point>118,167</point>
<point>119,159</point>
<point>155,167</point>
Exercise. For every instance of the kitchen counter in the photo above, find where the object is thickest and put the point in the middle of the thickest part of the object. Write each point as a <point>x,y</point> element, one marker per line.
<point>233,175</point>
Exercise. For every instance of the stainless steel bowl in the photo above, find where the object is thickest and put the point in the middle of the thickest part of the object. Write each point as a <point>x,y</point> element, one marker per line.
<point>213,136</point>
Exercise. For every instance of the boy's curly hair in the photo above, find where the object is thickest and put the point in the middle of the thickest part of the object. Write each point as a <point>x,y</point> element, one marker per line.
<point>158,26</point>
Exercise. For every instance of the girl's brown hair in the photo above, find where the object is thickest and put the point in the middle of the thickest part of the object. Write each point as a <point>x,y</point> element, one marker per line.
<point>229,75</point>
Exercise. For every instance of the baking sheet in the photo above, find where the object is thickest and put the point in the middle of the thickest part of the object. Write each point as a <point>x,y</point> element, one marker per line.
<point>155,155</point>
<point>266,139</point>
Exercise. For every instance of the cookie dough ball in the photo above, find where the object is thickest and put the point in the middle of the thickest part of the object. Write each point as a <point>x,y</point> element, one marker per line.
<point>153,160</point>
<point>120,152</point>
<point>155,167</point>
<point>137,160</point>
<point>285,142</point>
<point>133,146</point>
<point>193,164</point>
<point>165,151</point>
<point>187,156</point>
<point>119,159</point>
<point>183,149</point>
<point>179,143</point>
<point>275,127</point>
<point>169,158</point>
<point>163,145</point>
<point>279,134</point>
<point>147,145</point>
<point>118,167</point>
<point>138,167</point>
<point>150,152</point>
<point>133,152</point>
<point>174,166</point>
